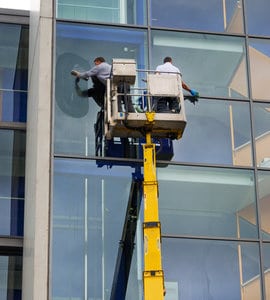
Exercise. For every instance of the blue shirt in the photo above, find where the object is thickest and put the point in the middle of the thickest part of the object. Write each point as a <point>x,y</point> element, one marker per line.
<point>102,71</point>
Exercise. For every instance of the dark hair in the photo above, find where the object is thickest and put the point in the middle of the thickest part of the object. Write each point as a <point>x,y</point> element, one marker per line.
<point>167,59</point>
<point>100,58</point>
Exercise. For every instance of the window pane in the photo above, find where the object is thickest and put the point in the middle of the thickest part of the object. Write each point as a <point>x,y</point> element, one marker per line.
<point>89,208</point>
<point>266,254</point>
<point>217,132</point>
<point>262,134</point>
<point>13,57</point>
<point>211,269</point>
<point>74,115</point>
<point>264,202</point>
<point>259,53</point>
<point>258,17</point>
<point>10,277</point>
<point>115,11</point>
<point>220,16</point>
<point>12,158</point>
<point>213,65</point>
<point>207,202</point>
<point>14,106</point>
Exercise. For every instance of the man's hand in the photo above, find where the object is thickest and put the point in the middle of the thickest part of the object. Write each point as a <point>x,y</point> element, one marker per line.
<point>75,73</point>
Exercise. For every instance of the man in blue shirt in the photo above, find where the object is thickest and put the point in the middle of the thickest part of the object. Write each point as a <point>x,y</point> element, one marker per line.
<point>99,74</point>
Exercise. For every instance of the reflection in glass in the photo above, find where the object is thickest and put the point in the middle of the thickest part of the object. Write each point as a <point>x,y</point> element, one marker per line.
<point>12,159</point>
<point>264,202</point>
<point>217,132</point>
<point>262,134</point>
<point>14,106</point>
<point>77,46</point>
<point>211,269</point>
<point>115,11</point>
<point>207,202</point>
<point>259,53</point>
<point>89,208</point>
<point>220,16</point>
<point>10,277</point>
<point>213,65</point>
<point>258,17</point>
<point>266,260</point>
<point>13,57</point>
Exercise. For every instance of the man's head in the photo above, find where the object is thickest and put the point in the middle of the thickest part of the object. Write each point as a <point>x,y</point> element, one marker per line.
<point>167,59</point>
<point>99,60</point>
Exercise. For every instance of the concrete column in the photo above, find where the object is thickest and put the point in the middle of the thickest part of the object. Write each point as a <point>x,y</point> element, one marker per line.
<point>38,154</point>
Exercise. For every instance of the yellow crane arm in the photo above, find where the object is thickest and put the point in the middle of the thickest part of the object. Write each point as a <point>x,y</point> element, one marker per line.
<point>153,277</point>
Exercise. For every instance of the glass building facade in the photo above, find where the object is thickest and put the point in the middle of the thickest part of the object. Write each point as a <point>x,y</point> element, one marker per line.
<point>13,105</point>
<point>214,194</point>
<point>214,191</point>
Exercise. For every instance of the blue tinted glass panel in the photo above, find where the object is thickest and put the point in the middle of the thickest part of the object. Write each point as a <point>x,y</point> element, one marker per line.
<point>11,277</point>
<point>217,132</point>
<point>207,202</point>
<point>12,156</point>
<point>220,16</point>
<point>213,65</point>
<point>14,106</point>
<point>13,57</point>
<point>89,208</point>
<point>77,46</point>
<point>112,11</point>
<point>211,269</point>
<point>257,12</point>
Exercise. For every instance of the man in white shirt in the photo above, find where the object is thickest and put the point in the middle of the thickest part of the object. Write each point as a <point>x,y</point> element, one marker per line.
<point>170,104</point>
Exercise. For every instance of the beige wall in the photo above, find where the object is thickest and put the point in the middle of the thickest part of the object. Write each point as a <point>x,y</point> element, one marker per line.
<point>242,155</point>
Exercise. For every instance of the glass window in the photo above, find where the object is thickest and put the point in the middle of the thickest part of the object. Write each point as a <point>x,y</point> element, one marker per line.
<point>89,207</point>
<point>266,260</point>
<point>259,54</point>
<point>12,159</point>
<point>13,72</point>
<point>77,46</point>
<point>262,133</point>
<point>207,202</point>
<point>219,16</point>
<point>264,202</point>
<point>13,106</point>
<point>213,65</point>
<point>13,57</point>
<point>10,277</point>
<point>217,132</point>
<point>112,11</point>
<point>211,269</point>
<point>258,17</point>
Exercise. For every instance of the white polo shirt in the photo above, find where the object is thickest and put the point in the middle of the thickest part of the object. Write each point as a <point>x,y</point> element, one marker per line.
<point>168,68</point>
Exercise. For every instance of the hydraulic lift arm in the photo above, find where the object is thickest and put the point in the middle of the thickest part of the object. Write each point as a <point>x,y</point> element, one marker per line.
<point>153,277</point>
<point>145,124</point>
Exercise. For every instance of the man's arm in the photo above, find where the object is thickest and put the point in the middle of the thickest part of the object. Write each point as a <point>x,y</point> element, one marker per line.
<point>85,75</point>
<point>187,88</point>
